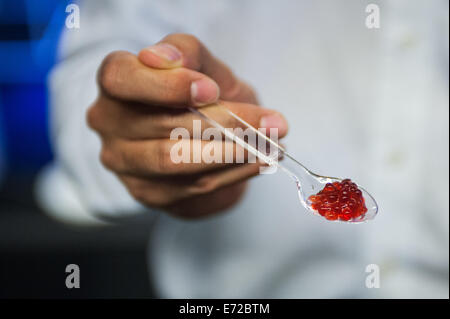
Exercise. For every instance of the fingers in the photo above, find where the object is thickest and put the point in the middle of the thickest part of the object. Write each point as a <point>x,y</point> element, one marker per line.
<point>124,77</point>
<point>184,50</point>
<point>141,122</point>
<point>162,193</point>
<point>171,157</point>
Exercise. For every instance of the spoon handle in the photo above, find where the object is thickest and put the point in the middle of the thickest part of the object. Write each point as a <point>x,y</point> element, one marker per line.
<point>238,140</point>
<point>271,160</point>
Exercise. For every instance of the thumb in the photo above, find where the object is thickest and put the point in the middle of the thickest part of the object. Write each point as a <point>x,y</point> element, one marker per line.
<point>183,50</point>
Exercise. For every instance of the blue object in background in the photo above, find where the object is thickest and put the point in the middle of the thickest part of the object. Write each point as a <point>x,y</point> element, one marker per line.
<point>29,32</point>
<point>2,143</point>
<point>25,126</point>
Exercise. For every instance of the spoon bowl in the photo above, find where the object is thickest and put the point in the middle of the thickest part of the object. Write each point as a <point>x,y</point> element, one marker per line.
<point>321,181</point>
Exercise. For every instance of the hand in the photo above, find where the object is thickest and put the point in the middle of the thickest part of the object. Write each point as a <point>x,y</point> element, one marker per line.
<point>143,98</point>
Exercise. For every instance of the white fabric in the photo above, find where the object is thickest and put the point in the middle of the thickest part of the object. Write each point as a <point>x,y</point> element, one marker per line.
<point>370,104</point>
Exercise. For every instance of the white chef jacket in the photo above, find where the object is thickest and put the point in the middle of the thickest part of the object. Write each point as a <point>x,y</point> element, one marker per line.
<point>366,103</point>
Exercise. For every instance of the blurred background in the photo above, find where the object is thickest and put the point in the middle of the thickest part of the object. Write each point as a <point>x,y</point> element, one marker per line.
<point>34,249</point>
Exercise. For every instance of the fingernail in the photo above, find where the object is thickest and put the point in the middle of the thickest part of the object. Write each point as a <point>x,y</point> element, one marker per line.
<point>204,91</point>
<point>274,120</point>
<point>166,51</point>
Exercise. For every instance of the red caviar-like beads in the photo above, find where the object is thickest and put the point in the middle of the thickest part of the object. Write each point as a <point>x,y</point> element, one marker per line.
<point>339,200</point>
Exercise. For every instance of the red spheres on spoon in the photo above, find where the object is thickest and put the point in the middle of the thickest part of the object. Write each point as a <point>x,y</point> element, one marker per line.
<point>339,200</point>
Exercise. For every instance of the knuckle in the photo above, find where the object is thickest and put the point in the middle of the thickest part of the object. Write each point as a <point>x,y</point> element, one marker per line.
<point>111,159</point>
<point>107,71</point>
<point>108,74</point>
<point>167,122</point>
<point>94,117</point>
<point>193,41</point>
<point>190,42</point>
<point>108,159</point>
<point>164,163</point>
